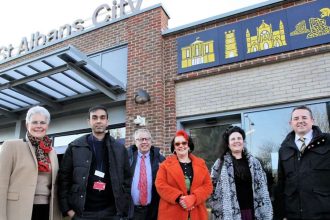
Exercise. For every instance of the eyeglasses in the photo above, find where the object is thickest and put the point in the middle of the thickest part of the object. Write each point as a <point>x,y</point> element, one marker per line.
<point>143,139</point>
<point>184,143</point>
<point>38,122</point>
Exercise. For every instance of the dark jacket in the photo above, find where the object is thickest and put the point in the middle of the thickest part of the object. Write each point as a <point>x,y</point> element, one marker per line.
<point>74,172</point>
<point>304,179</point>
<point>155,159</point>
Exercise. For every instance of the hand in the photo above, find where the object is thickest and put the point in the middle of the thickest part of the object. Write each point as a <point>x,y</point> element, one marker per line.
<point>181,202</point>
<point>188,202</point>
<point>71,213</point>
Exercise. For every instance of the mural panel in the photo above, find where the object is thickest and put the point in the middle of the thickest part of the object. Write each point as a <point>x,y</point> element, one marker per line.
<point>311,28</point>
<point>198,51</point>
<point>289,29</point>
<point>231,43</point>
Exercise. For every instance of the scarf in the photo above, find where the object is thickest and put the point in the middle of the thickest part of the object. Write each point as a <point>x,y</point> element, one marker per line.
<point>43,147</point>
<point>224,201</point>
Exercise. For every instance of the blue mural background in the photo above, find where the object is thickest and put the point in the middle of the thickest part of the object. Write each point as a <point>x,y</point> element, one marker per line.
<point>297,14</point>
<point>239,40</point>
<point>273,19</point>
<point>290,17</point>
<point>203,36</point>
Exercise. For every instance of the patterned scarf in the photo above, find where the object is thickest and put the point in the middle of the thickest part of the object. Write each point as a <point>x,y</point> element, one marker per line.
<point>224,201</point>
<point>43,147</point>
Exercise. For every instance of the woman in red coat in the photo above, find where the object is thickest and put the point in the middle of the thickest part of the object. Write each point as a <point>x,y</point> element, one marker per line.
<point>183,182</point>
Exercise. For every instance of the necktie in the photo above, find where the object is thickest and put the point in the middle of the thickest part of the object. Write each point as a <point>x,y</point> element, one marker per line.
<point>143,182</point>
<point>303,146</point>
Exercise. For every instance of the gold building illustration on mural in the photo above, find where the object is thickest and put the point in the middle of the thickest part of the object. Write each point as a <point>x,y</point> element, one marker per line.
<point>317,26</point>
<point>230,44</point>
<point>199,52</point>
<point>266,38</point>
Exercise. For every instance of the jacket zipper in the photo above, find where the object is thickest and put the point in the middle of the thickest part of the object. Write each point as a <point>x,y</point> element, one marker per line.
<point>86,183</point>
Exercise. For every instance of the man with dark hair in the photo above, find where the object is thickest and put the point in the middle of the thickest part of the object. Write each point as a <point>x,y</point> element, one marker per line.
<point>304,169</point>
<point>144,161</point>
<point>94,176</point>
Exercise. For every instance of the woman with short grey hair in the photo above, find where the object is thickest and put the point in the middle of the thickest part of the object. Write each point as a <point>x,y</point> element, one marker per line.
<point>28,170</point>
<point>37,110</point>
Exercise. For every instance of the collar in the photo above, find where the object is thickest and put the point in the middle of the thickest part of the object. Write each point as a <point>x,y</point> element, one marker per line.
<point>308,137</point>
<point>140,154</point>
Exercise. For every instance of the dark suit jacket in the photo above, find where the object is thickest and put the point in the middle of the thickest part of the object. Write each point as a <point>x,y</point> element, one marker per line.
<point>155,159</point>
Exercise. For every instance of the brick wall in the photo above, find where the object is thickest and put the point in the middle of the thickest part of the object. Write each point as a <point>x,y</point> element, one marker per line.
<point>145,71</point>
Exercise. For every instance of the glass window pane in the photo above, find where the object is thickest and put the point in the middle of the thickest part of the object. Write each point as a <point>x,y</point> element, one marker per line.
<point>8,105</point>
<point>206,141</point>
<point>59,87</point>
<point>73,84</point>
<point>265,131</point>
<point>13,100</point>
<point>114,62</point>
<point>119,134</point>
<point>79,79</point>
<point>45,89</point>
<point>14,74</point>
<point>96,59</point>
<point>3,81</point>
<point>19,96</point>
<point>61,142</point>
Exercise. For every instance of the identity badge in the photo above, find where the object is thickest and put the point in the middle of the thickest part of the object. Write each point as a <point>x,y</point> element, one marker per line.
<point>98,185</point>
<point>99,174</point>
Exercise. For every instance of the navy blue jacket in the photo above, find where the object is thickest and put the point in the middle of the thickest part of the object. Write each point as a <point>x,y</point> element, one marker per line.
<point>74,172</point>
<point>304,178</point>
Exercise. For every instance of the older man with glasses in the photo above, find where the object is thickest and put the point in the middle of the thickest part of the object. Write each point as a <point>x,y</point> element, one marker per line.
<point>144,162</point>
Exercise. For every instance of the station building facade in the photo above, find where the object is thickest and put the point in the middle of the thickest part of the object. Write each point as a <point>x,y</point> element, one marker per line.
<point>248,68</point>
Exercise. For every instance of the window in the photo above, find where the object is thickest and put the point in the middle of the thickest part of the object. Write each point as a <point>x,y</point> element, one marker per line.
<point>114,61</point>
<point>61,142</point>
<point>206,134</point>
<point>206,49</point>
<point>265,131</point>
<point>188,53</point>
<point>197,50</point>
<point>206,142</point>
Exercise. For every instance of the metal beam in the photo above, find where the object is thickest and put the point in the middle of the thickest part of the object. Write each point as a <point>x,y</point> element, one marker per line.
<point>8,114</point>
<point>37,96</point>
<point>33,77</point>
<point>97,83</point>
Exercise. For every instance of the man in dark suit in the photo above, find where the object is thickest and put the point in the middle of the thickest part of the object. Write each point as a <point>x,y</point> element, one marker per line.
<point>144,162</point>
<point>304,169</point>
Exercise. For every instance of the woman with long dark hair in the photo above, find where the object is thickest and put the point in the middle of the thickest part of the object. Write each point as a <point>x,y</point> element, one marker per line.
<point>239,181</point>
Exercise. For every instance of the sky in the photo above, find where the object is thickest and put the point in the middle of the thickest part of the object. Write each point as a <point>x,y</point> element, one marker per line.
<point>20,19</point>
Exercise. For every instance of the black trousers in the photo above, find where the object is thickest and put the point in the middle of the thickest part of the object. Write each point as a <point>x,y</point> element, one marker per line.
<point>141,212</point>
<point>40,212</point>
<point>106,214</point>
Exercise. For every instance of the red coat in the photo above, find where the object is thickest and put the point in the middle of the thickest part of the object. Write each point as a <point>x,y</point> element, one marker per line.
<point>170,185</point>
